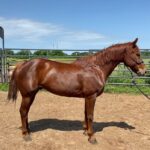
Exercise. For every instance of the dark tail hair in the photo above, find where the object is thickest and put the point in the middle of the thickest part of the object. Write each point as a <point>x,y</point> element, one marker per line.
<point>13,90</point>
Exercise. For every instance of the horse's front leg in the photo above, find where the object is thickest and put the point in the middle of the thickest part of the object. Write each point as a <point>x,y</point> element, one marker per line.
<point>85,127</point>
<point>89,106</point>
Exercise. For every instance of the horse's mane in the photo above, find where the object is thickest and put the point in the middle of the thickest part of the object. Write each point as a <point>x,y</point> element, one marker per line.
<point>102,57</point>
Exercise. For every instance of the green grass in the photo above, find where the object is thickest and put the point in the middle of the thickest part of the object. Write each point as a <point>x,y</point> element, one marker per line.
<point>3,86</point>
<point>14,61</point>
<point>65,60</point>
<point>146,60</point>
<point>126,89</point>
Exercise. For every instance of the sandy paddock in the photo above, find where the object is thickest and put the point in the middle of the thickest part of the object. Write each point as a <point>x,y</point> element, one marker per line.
<point>122,122</point>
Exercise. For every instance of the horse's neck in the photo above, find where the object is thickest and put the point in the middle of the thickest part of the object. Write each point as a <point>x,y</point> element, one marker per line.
<point>108,69</point>
<point>113,58</point>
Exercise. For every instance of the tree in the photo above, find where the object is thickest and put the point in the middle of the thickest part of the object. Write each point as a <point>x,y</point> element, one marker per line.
<point>50,53</point>
<point>80,53</point>
<point>57,53</point>
<point>9,52</point>
<point>145,54</point>
<point>24,52</point>
<point>40,53</point>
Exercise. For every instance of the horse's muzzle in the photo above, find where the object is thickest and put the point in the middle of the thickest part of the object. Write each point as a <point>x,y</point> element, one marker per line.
<point>141,70</point>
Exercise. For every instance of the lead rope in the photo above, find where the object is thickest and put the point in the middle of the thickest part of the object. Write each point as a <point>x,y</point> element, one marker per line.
<point>135,84</point>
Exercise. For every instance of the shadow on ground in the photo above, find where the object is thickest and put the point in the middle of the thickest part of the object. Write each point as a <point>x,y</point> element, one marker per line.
<point>72,125</point>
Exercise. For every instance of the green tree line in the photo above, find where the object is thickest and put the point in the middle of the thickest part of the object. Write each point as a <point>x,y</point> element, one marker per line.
<point>56,53</point>
<point>44,53</point>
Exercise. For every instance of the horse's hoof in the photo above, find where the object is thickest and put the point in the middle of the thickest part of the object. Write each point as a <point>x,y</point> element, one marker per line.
<point>27,138</point>
<point>20,128</point>
<point>85,133</point>
<point>92,140</point>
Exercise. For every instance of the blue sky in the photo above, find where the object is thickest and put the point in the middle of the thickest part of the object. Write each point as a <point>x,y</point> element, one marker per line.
<point>74,24</point>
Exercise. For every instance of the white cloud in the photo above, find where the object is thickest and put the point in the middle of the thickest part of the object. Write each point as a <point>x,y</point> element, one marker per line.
<point>83,36</point>
<point>28,30</point>
<point>25,32</point>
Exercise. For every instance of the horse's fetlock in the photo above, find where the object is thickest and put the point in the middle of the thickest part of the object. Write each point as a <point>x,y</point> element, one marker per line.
<point>90,117</point>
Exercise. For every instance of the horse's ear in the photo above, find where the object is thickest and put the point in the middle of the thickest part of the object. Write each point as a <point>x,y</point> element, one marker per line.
<point>135,41</point>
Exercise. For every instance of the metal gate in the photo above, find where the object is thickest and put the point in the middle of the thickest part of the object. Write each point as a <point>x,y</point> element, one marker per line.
<point>3,60</point>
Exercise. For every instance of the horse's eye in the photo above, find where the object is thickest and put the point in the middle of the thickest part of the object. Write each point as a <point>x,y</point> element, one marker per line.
<point>138,55</point>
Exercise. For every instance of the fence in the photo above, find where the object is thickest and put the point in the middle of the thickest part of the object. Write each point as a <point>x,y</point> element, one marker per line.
<point>3,66</point>
<point>120,76</point>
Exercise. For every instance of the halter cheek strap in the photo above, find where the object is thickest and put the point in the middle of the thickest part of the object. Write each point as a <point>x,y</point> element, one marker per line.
<point>136,61</point>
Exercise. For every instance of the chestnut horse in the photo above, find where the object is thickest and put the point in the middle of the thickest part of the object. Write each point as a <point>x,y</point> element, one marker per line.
<point>84,78</point>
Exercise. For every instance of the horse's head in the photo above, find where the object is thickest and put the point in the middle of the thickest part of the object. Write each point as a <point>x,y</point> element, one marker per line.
<point>132,58</point>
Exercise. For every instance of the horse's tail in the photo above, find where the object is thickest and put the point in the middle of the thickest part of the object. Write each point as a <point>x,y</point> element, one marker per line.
<point>13,89</point>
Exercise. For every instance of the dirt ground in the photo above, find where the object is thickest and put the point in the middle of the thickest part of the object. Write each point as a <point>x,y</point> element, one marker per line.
<point>122,122</point>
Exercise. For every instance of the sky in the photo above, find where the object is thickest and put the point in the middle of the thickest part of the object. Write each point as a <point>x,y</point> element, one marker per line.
<point>74,24</point>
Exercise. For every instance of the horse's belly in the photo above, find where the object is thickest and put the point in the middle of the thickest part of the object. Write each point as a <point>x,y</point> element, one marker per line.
<point>65,88</point>
<point>72,88</point>
<point>73,84</point>
<point>66,92</point>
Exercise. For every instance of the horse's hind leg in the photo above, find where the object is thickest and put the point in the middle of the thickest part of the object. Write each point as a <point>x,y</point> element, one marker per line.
<point>24,109</point>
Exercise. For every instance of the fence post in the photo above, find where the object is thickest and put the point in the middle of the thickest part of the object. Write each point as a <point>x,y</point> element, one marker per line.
<point>4,77</point>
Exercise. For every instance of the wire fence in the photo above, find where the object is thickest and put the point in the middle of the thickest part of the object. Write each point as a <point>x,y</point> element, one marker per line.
<point>120,76</point>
